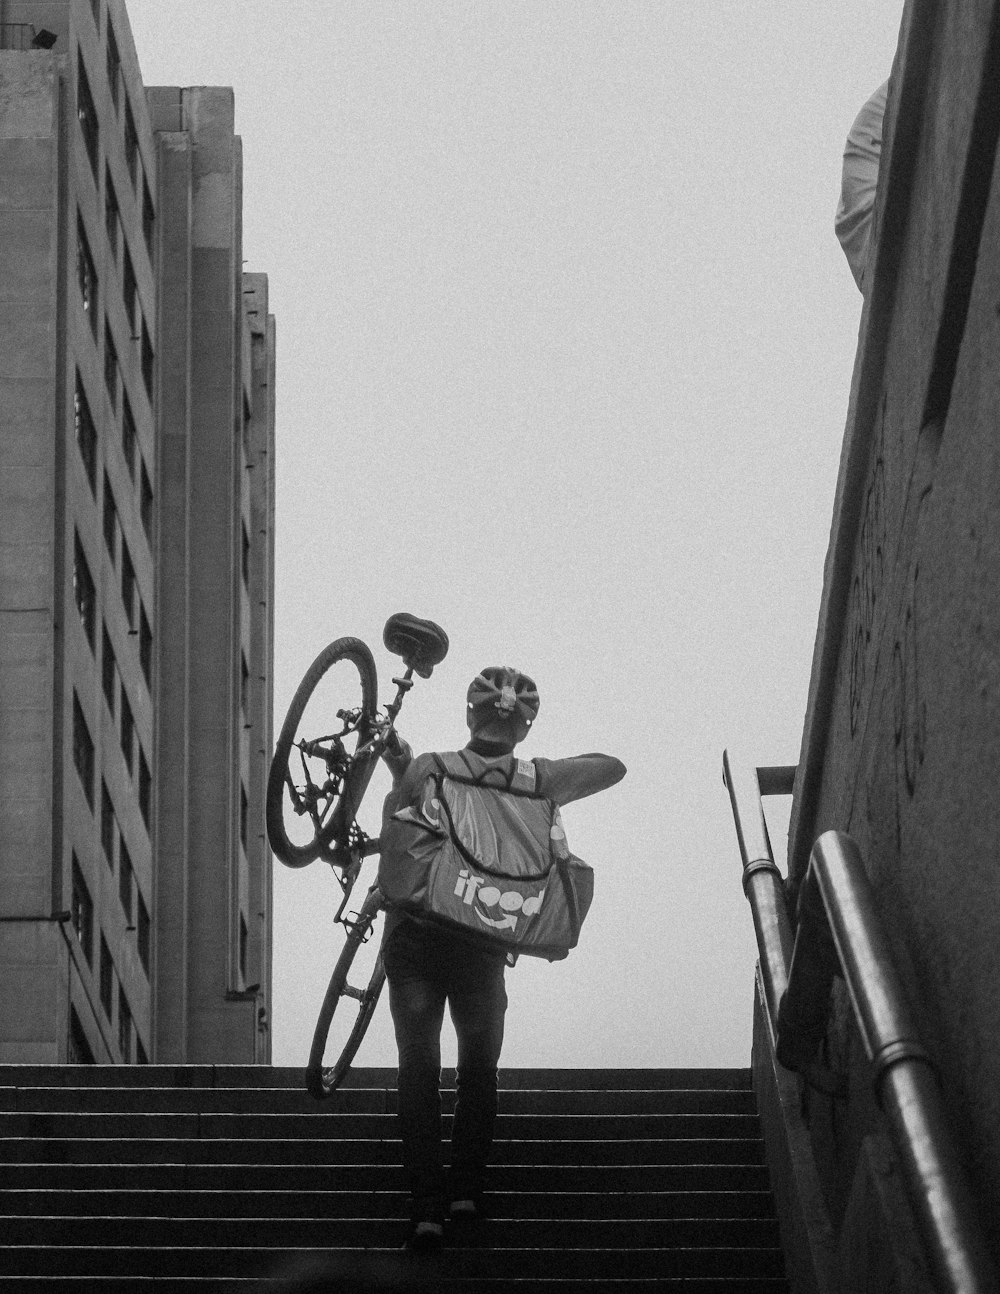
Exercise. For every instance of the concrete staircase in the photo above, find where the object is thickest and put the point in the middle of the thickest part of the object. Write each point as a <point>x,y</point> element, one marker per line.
<point>230,1178</point>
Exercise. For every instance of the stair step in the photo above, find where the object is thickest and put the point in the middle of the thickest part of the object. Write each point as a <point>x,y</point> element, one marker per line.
<point>366,1100</point>
<point>315,1203</point>
<point>381,1127</point>
<point>320,1275</point>
<point>386,1176</point>
<point>216,1260</point>
<point>283,1077</point>
<point>600,1232</point>
<point>338,1151</point>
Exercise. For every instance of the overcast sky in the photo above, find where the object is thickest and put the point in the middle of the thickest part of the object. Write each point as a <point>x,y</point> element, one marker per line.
<point>565,343</point>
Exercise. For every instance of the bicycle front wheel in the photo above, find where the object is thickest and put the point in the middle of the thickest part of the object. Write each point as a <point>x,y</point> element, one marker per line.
<point>316,780</point>
<point>323,1081</point>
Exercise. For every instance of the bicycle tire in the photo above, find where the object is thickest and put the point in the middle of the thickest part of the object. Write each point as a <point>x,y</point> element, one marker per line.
<point>324,1081</point>
<point>357,777</point>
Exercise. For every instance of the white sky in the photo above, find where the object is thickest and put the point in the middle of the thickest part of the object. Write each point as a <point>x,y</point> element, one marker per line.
<point>565,342</point>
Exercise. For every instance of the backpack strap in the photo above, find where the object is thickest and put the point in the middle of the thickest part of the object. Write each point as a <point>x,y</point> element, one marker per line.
<point>487,779</point>
<point>465,760</point>
<point>562,867</point>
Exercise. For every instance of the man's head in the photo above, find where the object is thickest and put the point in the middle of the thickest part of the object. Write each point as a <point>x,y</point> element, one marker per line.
<point>501,706</point>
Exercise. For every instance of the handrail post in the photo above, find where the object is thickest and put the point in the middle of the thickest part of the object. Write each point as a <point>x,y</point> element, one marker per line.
<point>762,881</point>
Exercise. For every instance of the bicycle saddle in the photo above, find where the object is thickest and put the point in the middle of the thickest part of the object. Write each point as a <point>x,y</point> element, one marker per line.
<point>421,643</point>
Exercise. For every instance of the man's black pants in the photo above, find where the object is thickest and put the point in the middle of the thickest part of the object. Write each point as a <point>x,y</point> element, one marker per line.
<point>427,966</point>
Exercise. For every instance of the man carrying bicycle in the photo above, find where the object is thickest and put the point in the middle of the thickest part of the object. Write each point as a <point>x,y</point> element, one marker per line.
<point>499,813</point>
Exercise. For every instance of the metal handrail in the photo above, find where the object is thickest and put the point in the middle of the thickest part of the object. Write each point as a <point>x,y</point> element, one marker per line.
<point>840,933</point>
<point>762,881</point>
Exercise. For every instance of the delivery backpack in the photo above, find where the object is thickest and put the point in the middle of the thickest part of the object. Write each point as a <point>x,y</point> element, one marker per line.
<point>486,854</point>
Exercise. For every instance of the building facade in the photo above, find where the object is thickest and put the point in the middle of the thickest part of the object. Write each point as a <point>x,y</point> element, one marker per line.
<point>136,559</point>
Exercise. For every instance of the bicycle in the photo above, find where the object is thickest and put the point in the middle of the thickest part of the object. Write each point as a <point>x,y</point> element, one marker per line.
<point>315,787</point>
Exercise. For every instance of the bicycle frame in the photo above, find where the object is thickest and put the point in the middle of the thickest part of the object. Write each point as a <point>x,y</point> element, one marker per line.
<point>371,751</point>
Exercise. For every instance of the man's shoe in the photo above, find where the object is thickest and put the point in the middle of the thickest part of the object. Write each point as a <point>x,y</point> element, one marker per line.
<point>466,1209</point>
<point>425,1237</point>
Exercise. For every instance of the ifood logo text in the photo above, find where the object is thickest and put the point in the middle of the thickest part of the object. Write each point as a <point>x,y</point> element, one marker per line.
<point>471,888</point>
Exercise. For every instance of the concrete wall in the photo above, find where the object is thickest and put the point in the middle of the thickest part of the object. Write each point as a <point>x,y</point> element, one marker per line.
<point>258,725</point>
<point>901,746</point>
<point>32,964</point>
<point>217,442</point>
<point>174,165</point>
<point>213,825</point>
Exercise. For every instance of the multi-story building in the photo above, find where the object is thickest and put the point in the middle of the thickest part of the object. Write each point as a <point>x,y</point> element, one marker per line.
<point>136,559</point>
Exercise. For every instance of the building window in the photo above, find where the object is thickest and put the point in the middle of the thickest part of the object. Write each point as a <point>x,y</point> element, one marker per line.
<point>86,434</point>
<point>128,584</point>
<point>109,670</point>
<point>111,526</point>
<point>110,367</point>
<point>83,750</point>
<point>146,504</point>
<point>125,878</point>
<point>87,115</point>
<point>86,275</point>
<point>107,976</point>
<point>127,733</point>
<point>142,932</point>
<point>244,940</point>
<point>244,686</point>
<point>145,790</point>
<point>108,826</point>
<point>131,144</point>
<point>112,216</point>
<point>84,591</point>
<point>129,435</point>
<point>148,218</point>
<point>83,913</point>
<point>114,67</point>
<point>145,647</point>
<point>129,290</point>
<point>147,360</point>
<point>247,416</point>
<point>124,1026</point>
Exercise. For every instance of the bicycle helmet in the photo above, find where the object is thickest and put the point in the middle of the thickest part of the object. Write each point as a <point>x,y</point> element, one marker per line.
<point>499,695</point>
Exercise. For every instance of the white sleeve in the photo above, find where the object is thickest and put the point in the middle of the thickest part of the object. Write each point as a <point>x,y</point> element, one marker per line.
<point>860,178</point>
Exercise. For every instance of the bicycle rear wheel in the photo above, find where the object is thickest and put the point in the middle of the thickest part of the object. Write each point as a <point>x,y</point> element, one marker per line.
<point>323,1081</point>
<point>316,779</point>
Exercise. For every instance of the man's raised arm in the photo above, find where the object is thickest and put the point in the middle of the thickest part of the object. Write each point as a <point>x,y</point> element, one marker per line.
<point>565,780</point>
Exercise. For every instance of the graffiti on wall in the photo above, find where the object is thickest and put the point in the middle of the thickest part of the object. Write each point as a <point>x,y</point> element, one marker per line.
<point>868,574</point>
<point>909,701</point>
<point>909,706</point>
